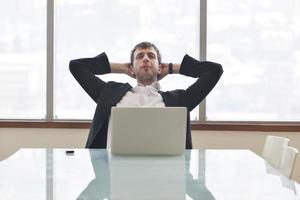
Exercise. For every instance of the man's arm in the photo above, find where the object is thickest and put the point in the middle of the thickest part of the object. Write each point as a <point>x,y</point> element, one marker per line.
<point>208,74</point>
<point>121,68</point>
<point>85,70</point>
<point>164,68</point>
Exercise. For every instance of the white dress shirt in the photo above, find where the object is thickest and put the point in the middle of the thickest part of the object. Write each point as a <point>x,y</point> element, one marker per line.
<point>139,96</point>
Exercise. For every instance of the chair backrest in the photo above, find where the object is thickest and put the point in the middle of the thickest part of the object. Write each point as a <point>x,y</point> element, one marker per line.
<point>273,150</point>
<point>288,161</point>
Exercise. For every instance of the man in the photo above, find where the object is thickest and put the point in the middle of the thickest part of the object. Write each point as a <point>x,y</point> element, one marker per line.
<point>147,68</point>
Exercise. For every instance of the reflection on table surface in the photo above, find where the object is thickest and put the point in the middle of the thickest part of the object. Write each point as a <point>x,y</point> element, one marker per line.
<point>96,174</point>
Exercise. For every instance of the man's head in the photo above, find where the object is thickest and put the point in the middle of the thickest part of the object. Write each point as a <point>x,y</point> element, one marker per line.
<point>145,61</point>
<point>145,45</point>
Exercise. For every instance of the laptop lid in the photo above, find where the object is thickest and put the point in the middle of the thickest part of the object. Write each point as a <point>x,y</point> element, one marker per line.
<point>148,130</point>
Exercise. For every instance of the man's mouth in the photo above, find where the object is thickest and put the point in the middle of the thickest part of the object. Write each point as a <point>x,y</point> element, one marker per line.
<point>146,67</point>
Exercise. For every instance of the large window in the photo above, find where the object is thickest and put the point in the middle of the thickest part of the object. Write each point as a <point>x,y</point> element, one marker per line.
<point>23,59</point>
<point>255,41</point>
<point>258,44</point>
<point>86,29</point>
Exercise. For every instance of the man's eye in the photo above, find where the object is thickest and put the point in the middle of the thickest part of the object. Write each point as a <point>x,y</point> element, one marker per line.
<point>139,56</point>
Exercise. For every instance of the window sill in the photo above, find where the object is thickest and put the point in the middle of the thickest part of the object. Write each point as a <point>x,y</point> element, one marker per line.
<point>210,126</point>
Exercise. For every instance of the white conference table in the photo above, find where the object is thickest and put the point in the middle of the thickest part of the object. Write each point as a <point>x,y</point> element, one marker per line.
<point>51,174</point>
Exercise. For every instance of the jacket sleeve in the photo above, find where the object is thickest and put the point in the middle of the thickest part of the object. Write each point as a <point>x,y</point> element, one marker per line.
<point>85,70</point>
<point>208,74</point>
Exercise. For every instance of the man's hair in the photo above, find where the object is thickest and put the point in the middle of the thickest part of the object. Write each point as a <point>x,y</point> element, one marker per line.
<point>145,45</point>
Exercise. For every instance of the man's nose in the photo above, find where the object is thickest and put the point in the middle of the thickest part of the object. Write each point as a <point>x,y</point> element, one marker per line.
<point>145,58</point>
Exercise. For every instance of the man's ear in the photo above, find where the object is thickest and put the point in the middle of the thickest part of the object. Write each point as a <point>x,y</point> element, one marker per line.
<point>131,71</point>
<point>159,68</point>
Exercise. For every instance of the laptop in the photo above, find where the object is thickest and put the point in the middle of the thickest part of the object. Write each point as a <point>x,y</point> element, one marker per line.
<point>148,130</point>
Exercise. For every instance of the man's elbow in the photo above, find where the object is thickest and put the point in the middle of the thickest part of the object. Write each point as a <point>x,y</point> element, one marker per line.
<point>73,65</point>
<point>218,69</point>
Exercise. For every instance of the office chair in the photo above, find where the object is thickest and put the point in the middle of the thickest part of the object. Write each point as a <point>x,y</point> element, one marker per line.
<point>288,161</point>
<point>273,150</point>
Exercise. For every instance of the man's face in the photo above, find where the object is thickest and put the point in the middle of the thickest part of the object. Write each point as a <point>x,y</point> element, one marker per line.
<point>145,65</point>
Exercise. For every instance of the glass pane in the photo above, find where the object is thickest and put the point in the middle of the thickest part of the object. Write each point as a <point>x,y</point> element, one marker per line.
<point>23,59</point>
<point>23,175</point>
<point>258,44</point>
<point>74,173</point>
<point>87,29</point>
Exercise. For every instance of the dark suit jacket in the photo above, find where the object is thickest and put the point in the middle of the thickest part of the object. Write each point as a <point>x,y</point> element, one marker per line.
<point>108,94</point>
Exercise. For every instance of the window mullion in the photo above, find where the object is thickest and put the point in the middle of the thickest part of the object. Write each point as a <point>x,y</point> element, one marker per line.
<point>203,31</point>
<point>50,60</point>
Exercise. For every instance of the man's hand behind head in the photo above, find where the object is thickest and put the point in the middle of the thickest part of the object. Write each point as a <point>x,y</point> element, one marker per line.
<point>164,71</point>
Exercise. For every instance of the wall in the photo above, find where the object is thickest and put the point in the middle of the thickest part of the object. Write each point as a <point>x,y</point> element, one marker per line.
<point>12,139</point>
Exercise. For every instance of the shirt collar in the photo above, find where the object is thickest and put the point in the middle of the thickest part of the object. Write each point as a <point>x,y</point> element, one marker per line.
<point>154,85</point>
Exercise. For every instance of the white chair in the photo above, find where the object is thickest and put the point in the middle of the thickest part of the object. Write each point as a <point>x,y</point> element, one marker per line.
<point>288,161</point>
<point>273,150</point>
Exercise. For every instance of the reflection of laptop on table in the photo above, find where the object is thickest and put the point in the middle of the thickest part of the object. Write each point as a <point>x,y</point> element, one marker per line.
<point>151,177</point>
<point>148,130</point>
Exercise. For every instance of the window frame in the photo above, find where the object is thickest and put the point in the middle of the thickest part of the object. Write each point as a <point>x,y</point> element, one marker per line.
<point>201,124</point>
